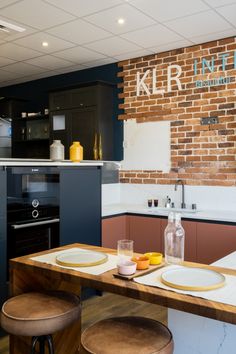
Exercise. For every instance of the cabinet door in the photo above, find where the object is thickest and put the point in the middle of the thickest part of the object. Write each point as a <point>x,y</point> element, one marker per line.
<point>83,129</point>
<point>146,233</point>
<point>214,241</point>
<point>80,205</point>
<point>83,97</point>
<point>114,229</point>
<point>59,100</point>
<point>190,244</point>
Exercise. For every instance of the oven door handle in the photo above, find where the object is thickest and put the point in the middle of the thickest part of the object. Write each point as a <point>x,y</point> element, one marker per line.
<point>37,223</point>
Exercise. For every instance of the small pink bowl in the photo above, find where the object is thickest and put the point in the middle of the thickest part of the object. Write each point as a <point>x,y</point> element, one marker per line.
<point>127,268</point>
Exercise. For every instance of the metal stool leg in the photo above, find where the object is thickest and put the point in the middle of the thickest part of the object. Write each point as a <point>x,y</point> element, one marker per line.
<point>42,344</point>
<point>50,344</point>
<point>33,344</point>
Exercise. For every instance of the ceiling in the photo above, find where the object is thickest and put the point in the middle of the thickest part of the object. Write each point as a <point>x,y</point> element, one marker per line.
<point>85,33</point>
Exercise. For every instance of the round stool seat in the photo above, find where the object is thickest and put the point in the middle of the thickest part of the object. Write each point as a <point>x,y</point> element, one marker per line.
<point>38,314</point>
<point>127,335</point>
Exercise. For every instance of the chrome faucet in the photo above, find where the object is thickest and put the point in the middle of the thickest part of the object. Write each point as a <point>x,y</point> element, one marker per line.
<point>179,181</point>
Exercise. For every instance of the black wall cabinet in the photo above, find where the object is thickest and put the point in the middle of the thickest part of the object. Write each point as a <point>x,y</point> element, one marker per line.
<point>84,114</point>
<point>30,137</point>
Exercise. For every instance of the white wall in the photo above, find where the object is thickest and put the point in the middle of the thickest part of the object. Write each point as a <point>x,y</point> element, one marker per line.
<point>146,146</point>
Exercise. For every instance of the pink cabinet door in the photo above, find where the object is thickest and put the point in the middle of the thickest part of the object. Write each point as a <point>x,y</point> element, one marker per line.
<point>214,241</point>
<point>190,244</point>
<point>114,229</point>
<point>146,233</point>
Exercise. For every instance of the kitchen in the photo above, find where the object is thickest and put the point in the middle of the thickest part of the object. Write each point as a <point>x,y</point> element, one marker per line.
<point>158,94</point>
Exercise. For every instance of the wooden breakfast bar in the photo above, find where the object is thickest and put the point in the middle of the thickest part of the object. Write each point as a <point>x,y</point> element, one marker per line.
<point>29,275</point>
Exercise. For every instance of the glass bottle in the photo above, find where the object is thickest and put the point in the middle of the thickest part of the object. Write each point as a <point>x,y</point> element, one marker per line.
<point>76,152</point>
<point>174,240</point>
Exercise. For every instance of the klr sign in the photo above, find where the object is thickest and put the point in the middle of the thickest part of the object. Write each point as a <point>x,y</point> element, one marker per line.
<point>174,75</point>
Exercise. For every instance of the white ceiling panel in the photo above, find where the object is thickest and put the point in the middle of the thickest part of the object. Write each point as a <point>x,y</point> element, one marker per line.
<point>199,24</point>
<point>213,36</point>
<point>70,69</point>
<point>113,46</point>
<point>79,32</point>
<point>163,10</point>
<point>23,68</point>
<point>6,61</point>
<point>7,75</point>
<point>216,3</point>
<point>82,7</point>
<point>35,42</point>
<point>99,62</point>
<point>37,14</point>
<point>15,52</point>
<point>79,55</point>
<point>134,54</point>
<point>171,46</point>
<point>4,3</point>
<point>48,62</point>
<point>108,19</point>
<point>152,36</point>
<point>229,13</point>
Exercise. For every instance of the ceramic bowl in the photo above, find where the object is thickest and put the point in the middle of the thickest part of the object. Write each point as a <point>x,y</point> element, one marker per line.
<point>142,262</point>
<point>155,257</point>
<point>127,268</point>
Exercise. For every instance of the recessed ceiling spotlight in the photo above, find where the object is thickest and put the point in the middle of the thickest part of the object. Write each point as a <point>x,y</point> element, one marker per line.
<point>45,44</point>
<point>121,21</point>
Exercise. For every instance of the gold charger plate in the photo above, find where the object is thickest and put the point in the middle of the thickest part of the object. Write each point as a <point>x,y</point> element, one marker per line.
<point>81,258</point>
<point>193,279</point>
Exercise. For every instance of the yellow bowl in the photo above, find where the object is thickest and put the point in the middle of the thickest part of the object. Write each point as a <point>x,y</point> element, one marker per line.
<point>155,257</point>
<point>142,262</point>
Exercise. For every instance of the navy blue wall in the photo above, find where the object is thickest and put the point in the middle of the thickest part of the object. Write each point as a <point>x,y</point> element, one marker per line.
<point>37,94</point>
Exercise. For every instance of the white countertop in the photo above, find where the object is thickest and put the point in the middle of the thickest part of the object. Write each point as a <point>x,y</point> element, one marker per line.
<point>212,215</point>
<point>45,162</point>
<point>227,261</point>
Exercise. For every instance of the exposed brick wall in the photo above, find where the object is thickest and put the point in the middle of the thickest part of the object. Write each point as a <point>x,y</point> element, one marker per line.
<point>200,154</point>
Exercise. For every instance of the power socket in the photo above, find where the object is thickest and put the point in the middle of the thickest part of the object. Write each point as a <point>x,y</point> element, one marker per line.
<point>209,120</point>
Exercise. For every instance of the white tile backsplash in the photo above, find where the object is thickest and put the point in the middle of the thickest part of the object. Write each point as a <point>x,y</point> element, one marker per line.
<point>206,198</point>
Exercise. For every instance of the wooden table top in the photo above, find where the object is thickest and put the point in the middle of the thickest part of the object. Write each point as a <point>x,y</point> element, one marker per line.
<point>106,282</point>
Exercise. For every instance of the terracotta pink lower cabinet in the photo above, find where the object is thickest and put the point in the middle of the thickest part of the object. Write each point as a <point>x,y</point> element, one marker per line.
<point>114,229</point>
<point>214,241</point>
<point>204,242</point>
<point>146,233</point>
<point>190,244</point>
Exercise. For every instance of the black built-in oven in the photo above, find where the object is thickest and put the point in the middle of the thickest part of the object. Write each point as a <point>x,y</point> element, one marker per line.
<point>32,209</point>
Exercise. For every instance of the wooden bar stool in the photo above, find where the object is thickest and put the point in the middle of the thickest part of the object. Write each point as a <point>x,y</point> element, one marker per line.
<point>39,315</point>
<point>127,335</point>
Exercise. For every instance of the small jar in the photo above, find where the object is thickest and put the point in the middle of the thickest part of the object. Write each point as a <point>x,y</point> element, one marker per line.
<point>76,152</point>
<point>57,151</point>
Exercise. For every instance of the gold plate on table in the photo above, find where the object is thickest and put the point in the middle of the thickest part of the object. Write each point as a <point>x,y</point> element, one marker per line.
<point>193,279</point>
<point>81,258</point>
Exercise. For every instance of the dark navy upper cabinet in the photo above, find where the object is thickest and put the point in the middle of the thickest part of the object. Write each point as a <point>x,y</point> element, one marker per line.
<point>84,114</point>
<point>80,205</point>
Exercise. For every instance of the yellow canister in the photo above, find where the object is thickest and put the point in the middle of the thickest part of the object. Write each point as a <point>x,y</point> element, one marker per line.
<point>76,152</point>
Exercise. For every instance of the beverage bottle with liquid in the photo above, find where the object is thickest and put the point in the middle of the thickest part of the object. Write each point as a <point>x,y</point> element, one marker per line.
<point>174,240</point>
